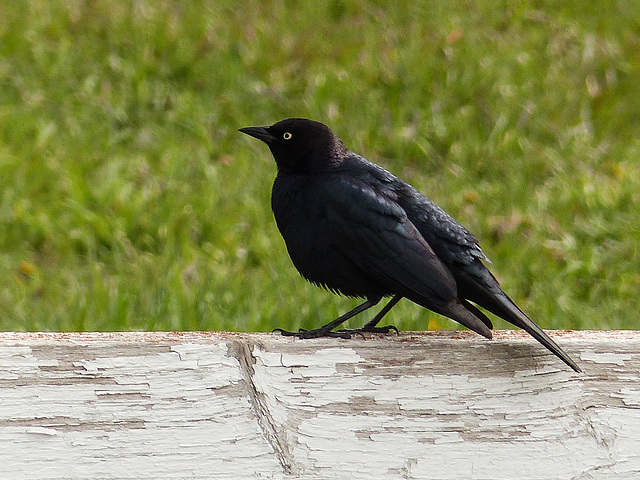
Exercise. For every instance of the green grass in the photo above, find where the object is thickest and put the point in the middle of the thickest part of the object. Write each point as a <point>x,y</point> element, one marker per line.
<point>128,200</point>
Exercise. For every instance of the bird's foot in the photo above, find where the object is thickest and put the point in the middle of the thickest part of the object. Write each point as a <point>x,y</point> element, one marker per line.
<point>316,333</point>
<point>369,329</point>
<point>342,333</point>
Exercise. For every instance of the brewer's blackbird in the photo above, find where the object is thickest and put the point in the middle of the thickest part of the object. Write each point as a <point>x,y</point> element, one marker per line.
<point>358,230</point>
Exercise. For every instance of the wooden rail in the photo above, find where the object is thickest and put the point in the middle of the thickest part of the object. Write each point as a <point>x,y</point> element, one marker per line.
<point>435,405</point>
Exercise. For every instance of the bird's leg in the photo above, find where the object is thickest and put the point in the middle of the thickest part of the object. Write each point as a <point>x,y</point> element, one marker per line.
<point>371,326</point>
<point>327,330</point>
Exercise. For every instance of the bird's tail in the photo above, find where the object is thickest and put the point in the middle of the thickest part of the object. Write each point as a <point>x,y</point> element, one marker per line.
<point>483,289</point>
<point>505,308</point>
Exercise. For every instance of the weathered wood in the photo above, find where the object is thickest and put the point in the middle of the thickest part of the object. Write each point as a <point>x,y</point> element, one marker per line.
<point>439,405</point>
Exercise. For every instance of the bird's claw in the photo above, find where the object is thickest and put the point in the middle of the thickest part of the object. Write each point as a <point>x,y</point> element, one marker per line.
<point>366,329</point>
<point>316,333</point>
<point>385,329</point>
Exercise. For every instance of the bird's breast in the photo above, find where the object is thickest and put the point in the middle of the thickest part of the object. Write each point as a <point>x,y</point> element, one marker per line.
<point>301,217</point>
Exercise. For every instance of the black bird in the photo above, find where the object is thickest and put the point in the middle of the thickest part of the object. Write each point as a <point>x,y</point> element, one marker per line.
<point>358,230</point>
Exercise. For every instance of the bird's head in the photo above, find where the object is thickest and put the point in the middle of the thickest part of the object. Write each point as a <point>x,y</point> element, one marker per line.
<point>300,145</point>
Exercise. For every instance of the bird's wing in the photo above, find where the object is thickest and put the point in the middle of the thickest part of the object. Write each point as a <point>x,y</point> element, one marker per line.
<point>375,232</point>
<point>451,241</point>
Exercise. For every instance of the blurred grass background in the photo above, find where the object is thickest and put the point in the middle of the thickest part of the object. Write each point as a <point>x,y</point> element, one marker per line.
<point>128,200</point>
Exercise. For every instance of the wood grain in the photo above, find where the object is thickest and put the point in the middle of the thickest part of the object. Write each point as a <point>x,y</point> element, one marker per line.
<point>435,405</point>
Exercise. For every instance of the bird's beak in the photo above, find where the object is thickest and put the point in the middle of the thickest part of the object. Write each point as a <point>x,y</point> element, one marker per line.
<point>260,133</point>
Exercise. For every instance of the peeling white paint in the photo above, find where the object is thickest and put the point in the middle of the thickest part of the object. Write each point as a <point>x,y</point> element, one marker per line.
<point>220,405</point>
<point>42,431</point>
<point>607,357</point>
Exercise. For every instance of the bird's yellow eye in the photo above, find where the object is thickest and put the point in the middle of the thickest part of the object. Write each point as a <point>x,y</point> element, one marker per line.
<point>287,136</point>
